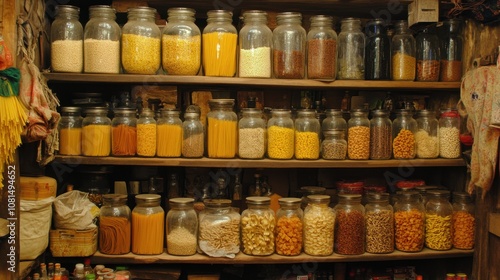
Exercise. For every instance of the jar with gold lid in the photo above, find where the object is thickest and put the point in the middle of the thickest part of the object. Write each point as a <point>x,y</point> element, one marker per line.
<point>289,227</point>
<point>181,227</point>
<point>115,225</point>
<point>257,227</point>
<point>96,132</point>
<point>70,131</point>
<point>222,129</point>
<point>148,220</point>
<point>319,221</point>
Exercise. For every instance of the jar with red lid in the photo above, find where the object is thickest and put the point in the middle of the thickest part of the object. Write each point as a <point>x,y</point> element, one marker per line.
<point>449,134</point>
<point>409,184</point>
<point>350,187</point>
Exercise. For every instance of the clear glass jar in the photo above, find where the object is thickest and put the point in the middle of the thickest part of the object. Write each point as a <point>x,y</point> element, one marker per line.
<point>289,227</point>
<point>66,36</point>
<point>251,134</point>
<point>428,56</point>
<point>334,121</point>
<point>307,130</point>
<point>321,49</point>
<point>380,135</point>
<point>181,43</point>
<point>70,131</point>
<point>377,51</point>
<point>403,53</point>
<point>169,134</point>
<point>451,46</point>
<point>193,136</point>
<point>319,222</point>
<point>96,132</point>
<point>255,43</point>
<point>124,132</point>
<point>334,146</point>
<point>438,216</point>
<point>449,134</point>
<point>280,135</point>
<point>148,220</point>
<point>404,128</point>
<point>306,191</point>
<point>289,46</point>
<point>422,190</point>
<point>257,227</point>
<point>426,137</point>
<point>101,43</point>
<point>141,33</point>
<point>115,226</point>
<point>181,227</point>
<point>146,134</point>
<point>219,43</point>
<point>222,129</point>
<point>463,221</point>
<point>358,135</point>
<point>379,221</point>
<point>409,221</point>
<point>349,225</point>
<point>351,50</point>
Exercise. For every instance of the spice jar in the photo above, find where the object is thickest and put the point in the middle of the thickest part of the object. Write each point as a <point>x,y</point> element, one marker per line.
<point>101,44</point>
<point>289,227</point>
<point>403,53</point>
<point>219,42</point>
<point>96,132</point>
<point>307,129</point>
<point>181,227</point>
<point>169,134</point>
<point>463,221</point>
<point>251,134</point>
<point>255,43</point>
<point>321,49</point>
<point>380,135</point>
<point>409,221</point>
<point>280,135</point>
<point>349,225</point>
<point>181,43</point>
<point>148,219</point>
<point>124,132</point>
<point>222,129</point>
<point>428,56</point>
<point>289,46</point>
<point>379,220</point>
<point>193,136</point>
<point>449,134</point>
<point>257,227</point>
<point>351,50</point>
<point>334,146</point>
<point>377,51</point>
<point>426,137</point>
<point>114,225</point>
<point>66,35</point>
<point>319,221</point>
<point>438,216</point>
<point>334,121</point>
<point>70,131</point>
<point>403,133</point>
<point>358,135</point>
<point>146,134</point>
<point>451,46</point>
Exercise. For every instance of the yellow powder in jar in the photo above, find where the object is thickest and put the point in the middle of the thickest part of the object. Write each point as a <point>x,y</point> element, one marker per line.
<point>96,140</point>
<point>70,141</point>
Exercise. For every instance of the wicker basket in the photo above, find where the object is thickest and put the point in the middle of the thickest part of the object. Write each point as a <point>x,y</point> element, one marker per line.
<point>73,243</point>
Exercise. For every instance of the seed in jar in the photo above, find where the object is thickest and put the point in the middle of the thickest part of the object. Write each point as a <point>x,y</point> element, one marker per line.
<point>251,142</point>
<point>379,231</point>
<point>181,55</point>
<point>380,142</point>
<point>192,145</point>
<point>409,230</point>
<point>257,233</point>
<point>358,142</point>
<point>427,145</point>
<point>255,62</point>
<point>321,58</point>
<point>403,145</point>
<point>306,145</point>
<point>319,225</point>
<point>438,232</point>
<point>280,142</point>
<point>349,232</point>
<point>403,67</point>
<point>66,56</point>
<point>335,150</point>
<point>288,64</point>
<point>449,142</point>
<point>145,61</point>
<point>289,236</point>
<point>181,242</point>
<point>101,56</point>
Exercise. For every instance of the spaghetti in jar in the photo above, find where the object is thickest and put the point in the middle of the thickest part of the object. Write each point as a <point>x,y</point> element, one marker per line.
<point>148,219</point>
<point>115,227</point>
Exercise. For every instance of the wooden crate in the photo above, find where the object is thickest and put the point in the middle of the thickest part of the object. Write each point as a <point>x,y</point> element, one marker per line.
<point>423,11</point>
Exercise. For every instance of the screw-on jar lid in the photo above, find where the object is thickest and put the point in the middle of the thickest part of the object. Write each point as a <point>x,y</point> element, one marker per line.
<point>148,199</point>
<point>312,190</point>
<point>169,112</point>
<point>380,113</point>
<point>181,201</point>
<point>438,193</point>
<point>221,102</point>
<point>306,113</point>
<point>96,110</point>
<point>289,201</point>
<point>191,115</point>
<point>333,132</point>
<point>258,200</point>
<point>147,113</point>
<point>333,112</point>
<point>318,198</point>
<point>281,112</point>
<point>114,198</point>
<point>71,110</point>
<point>377,197</point>
<point>425,113</point>
<point>217,203</point>
<point>124,111</point>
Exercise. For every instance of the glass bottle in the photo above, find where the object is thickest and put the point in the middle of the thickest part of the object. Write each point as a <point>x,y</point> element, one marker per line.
<point>289,227</point>
<point>146,134</point>
<point>426,137</point>
<point>280,135</point>
<point>334,121</point>
<point>403,53</point>
<point>449,134</point>
<point>255,43</point>
<point>169,134</point>
<point>334,146</point>
<point>193,136</point>
<point>379,221</point>
<point>222,131</point>
<point>404,128</point>
<point>377,51</point>
<point>428,56</point>
<point>438,217</point>
<point>321,49</point>
<point>181,227</point>
<point>114,225</point>
<point>351,50</point>
<point>257,227</point>
<point>409,220</point>
<point>148,219</point>
<point>289,46</point>
<point>307,130</point>
<point>251,134</point>
<point>124,132</point>
<point>96,132</point>
<point>181,43</point>
<point>43,271</point>
<point>463,221</point>
<point>451,46</point>
<point>319,221</point>
<point>57,272</point>
<point>349,225</point>
<point>380,135</point>
<point>237,192</point>
<point>78,274</point>
<point>66,35</point>
<point>255,189</point>
<point>70,131</point>
<point>358,135</point>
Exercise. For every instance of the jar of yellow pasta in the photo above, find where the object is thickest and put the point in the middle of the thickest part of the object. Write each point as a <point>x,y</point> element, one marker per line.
<point>257,227</point>
<point>222,129</point>
<point>96,132</point>
<point>169,134</point>
<point>70,131</point>
<point>148,220</point>
<point>115,225</point>
<point>307,129</point>
<point>438,220</point>
<point>280,135</point>
<point>146,134</point>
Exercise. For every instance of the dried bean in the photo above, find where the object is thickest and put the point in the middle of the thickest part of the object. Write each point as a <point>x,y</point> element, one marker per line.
<point>306,145</point>
<point>349,232</point>
<point>181,242</point>
<point>321,58</point>
<point>449,142</point>
<point>251,142</point>
<point>403,67</point>
<point>334,150</point>
<point>379,231</point>
<point>427,145</point>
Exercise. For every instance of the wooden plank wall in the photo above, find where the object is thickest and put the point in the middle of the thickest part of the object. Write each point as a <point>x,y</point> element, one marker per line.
<point>480,41</point>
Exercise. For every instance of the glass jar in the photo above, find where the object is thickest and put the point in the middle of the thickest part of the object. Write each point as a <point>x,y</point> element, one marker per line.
<point>379,221</point>
<point>422,190</point>
<point>449,134</point>
<point>66,36</point>
<point>101,43</point>
<point>289,227</point>
<point>380,135</point>
<point>96,132</point>
<point>257,227</point>
<point>251,134</point>
<point>409,221</point>
<point>426,137</point>
<point>438,216</point>
<point>377,51</point>
<point>403,53</point>
<point>193,136</point>
<point>321,49</point>
<point>219,42</point>
<point>351,50</point>
<point>319,222</point>
<point>307,129</point>
<point>428,56</point>
<point>280,135</point>
<point>181,43</point>
<point>124,132</point>
<point>141,42</point>
<point>255,43</point>
<point>146,134</point>
<point>181,227</point>
<point>349,225</point>
<point>114,225</point>
<point>289,46</point>
<point>404,128</point>
<point>451,46</point>
<point>358,135</point>
<point>307,191</point>
<point>169,134</point>
<point>222,129</point>
<point>463,221</point>
<point>70,131</point>
<point>334,146</point>
<point>148,220</point>
<point>334,121</point>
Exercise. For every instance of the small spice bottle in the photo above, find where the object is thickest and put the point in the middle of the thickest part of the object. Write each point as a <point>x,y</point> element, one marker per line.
<point>449,134</point>
<point>289,227</point>
<point>403,53</point>
<point>409,220</point>
<point>169,134</point>
<point>280,135</point>
<point>428,56</point>
<point>321,49</point>
<point>403,133</point>
<point>438,216</point>
<point>255,42</point>
<point>289,46</point>
<point>222,129</point>
<point>66,35</point>
<point>463,221</point>
<point>358,135</point>
<point>96,132</point>
<point>351,50</point>
<point>380,135</point>
<point>349,225</point>
<point>334,121</point>
<point>451,44</point>
<point>257,227</point>
<point>379,220</point>
<point>334,146</point>
<point>146,134</point>
<point>307,129</point>
<point>192,136</point>
<point>377,51</point>
<point>148,219</point>
<point>181,227</point>
<point>70,131</point>
<point>319,222</point>
<point>426,137</point>
<point>115,225</point>
<point>251,134</point>
<point>124,132</point>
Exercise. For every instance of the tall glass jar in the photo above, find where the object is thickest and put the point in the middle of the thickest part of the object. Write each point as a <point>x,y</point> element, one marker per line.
<point>379,221</point>
<point>351,50</point>
<point>403,53</point>
<point>181,227</point>
<point>409,221</point>
<point>358,135</point>
<point>289,227</point>
<point>169,134</point>
<point>319,222</point>
<point>66,36</point>
<point>146,134</point>
<point>404,128</point>
<point>124,132</point>
<point>438,216</point>
<point>193,136</point>
<point>451,51</point>
<point>181,43</point>
<point>463,221</point>
<point>101,43</point>
<point>219,42</point>
<point>426,137</point>
<point>70,131</point>
<point>334,121</point>
<point>141,42</point>
<point>255,43</point>
<point>257,227</point>
<point>349,225</point>
<point>307,130</point>
<point>148,220</point>
<point>321,49</point>
<point>449,134</point>
<point>96,132</point>
<point>380,135</point>
<point>251,134</point>
<point>334,146</point>
<point>377,51</point>
<point>428,56</point>
<point>222,129</point>
<point>115,226</point>
<point>289,46</point>
<point>280,135</point>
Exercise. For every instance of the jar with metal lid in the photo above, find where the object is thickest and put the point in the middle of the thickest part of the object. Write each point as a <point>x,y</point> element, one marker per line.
<point>70,131</point>
<point>426,137</point>
<point>251,134</point>
<point>96,132</point>
<point>351,50</point>
<point>255,43</point>
<point>193,136</point>
<point>181,43</point>
<point>358,135</point>
<point>349,225</point>
<point>377,51</point>
<point>148,220</point>
<point>451,46</point>
<point>219,42</point>
<point>449,134</point>
<point>289,227</point>
<point>306,191</point>
<point>428,56</point>
<point>124,132</point>
<point>222,129</point>
<point>403,53</point>
<point>463,221</point>
<point>169,134</point>
<point>404,128</point>
<point>321,49</point>
<point>257,227</point>
<point>101,43</point>
<point>380,135</point>
<point>438,216</point>
<point>422,190</point>
<point>334,146</point>
<point>66,36</point>
<point>141,33</point>
<point>379,221</point>
<point>409,221</point>
<point>319,222</point>
<point>146,134</point>
<point>289,46</point>
<point>350,187</point>
<point>334,121</point>
<point>307,130</point>
<point>115,226</point>
<point>181,227</point>
<point>280,135</point>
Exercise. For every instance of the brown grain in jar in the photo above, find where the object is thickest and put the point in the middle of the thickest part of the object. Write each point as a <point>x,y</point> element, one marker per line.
<point>350,225</point>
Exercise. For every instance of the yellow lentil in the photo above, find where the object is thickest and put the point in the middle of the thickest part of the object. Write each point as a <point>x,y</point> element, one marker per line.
<point>146,140</point>
<point>181,55</point>
<point>280,142</point>
<point>140,54</point>
<point>306,145</point>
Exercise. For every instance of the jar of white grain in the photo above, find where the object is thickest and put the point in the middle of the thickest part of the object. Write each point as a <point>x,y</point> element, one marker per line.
<point>181,227</point>
<point>449,134</point>
<point>66,47</point>
<point>251,134</point>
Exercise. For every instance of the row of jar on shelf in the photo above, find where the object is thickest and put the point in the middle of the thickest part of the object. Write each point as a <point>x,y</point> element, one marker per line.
<point>140,47</point>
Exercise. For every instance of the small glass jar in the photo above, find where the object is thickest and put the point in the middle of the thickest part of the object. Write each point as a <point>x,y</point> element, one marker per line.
<point>66,35</point>
<point>141,33</point>
<point>101,43</point>
<point>289,46</point>
<point>289,227</point>
<point>70,131</point>
<point>351,50</point>
<point>181,43</point>
<point>251,134</point>
<point>403,53</point>
<point>349,225</point>
<point>257,227</point>
<point>96,132</point>
<point>307,130</point>
<point>409,220</point>
<point>377,51</point>
<point>451,46</point>
<point>280,135</point>
<point>380,135</point>
<point>334,121</point>
<point>334,146</point>
<point>321,49</point>
<point>404,128</point>
<point>146,134</point>
<point>358,135</point>
<point>115,226</point>
<point>169,134</point>
<point>181,227</point>
<point>449,134</point>
<point>222,131</point>
<point>319,222</point>
<point>193,136</point>
<point>219,42</point>
<point>438,216</point>
<point>124,132</point>
<point>148,220</point>
<point>379,221</point>
<point>426,137</point>
<point>255,43</point>
<point>428,56</point>
<point>463,221</point>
